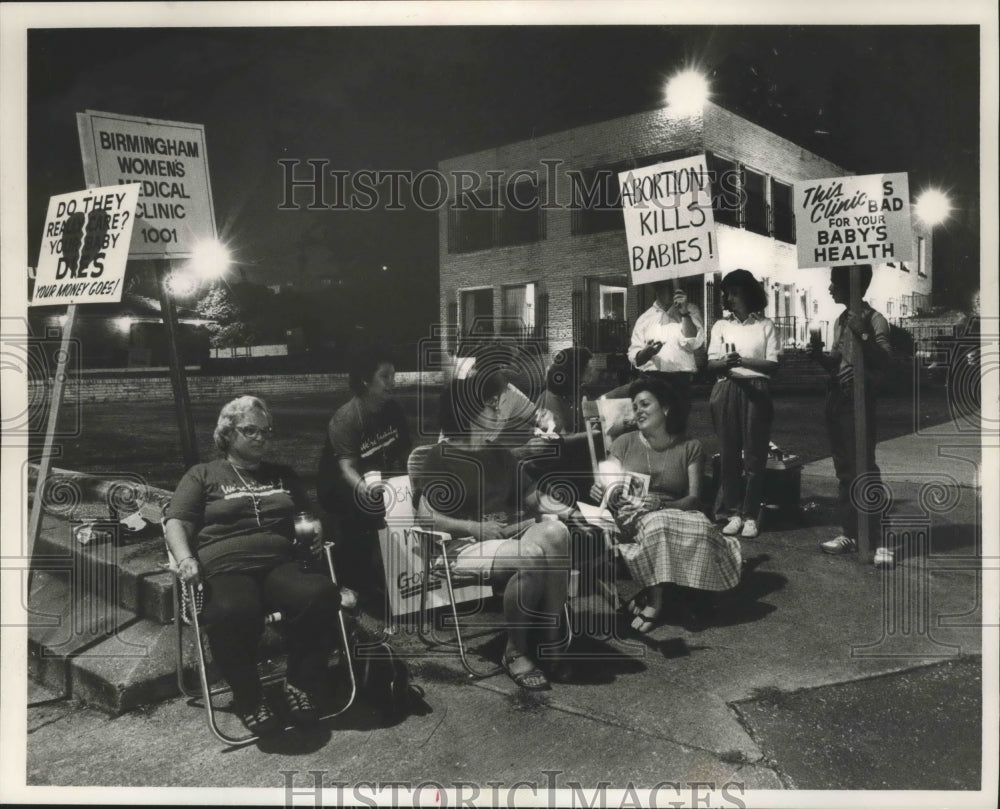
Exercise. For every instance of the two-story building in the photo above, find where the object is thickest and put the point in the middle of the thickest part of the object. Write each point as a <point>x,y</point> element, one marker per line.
<point>532,243</point>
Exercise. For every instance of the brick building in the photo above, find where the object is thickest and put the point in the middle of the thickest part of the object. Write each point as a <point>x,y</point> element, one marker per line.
<point>545,253</point>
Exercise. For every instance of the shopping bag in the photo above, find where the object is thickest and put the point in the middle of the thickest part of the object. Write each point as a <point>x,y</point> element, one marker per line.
<point>403,556</point>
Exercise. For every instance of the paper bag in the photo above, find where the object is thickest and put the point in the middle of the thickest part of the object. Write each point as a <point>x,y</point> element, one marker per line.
<point>403,556</point>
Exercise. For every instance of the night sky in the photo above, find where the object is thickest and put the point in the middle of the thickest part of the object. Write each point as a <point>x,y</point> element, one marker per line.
<point>872,99</point>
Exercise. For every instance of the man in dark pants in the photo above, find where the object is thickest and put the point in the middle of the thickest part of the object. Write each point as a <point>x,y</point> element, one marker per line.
<point>873,330</point>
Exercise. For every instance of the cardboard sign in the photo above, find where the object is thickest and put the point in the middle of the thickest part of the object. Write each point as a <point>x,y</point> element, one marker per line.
<point>853,220</point>
<point>85,246</point>
<point>170,163</point>
<point>403,557</point>
<point>668,220</point>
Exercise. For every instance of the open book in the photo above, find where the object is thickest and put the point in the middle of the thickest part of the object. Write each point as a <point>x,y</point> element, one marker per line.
<point>618,485</point>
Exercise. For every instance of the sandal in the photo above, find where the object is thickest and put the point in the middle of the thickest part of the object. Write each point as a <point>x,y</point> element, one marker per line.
<point>531,680</point>
<point>634,606</point>
<point>646,620</point>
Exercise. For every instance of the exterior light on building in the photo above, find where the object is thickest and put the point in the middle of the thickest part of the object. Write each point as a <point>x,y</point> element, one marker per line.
<point>209,259</point>
<point>687,93</point>
<point>123,324</point>
<point>932,207</point>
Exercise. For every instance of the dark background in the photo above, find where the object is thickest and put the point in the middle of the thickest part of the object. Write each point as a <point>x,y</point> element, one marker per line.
<point>872,99</point>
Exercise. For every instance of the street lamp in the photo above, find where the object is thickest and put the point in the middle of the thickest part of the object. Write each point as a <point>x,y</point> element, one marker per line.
<point>932,207</point>
<point>687,92</point>
<point>209,259</point>
<point>182,284</point>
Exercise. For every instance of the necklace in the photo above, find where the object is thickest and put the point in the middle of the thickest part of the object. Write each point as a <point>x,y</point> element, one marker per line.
<point>253,497</point>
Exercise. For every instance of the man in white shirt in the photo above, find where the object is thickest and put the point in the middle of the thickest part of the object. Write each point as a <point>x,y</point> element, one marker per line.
<point>664,341</point>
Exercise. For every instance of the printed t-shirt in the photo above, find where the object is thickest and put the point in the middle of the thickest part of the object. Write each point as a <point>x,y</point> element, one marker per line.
<point>240,525</point>
<point>377,441</point>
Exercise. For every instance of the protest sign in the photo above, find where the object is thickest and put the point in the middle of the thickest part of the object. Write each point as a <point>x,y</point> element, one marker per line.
<point>668,220</point>
<point>853,220</point>
<point>169,161</point>
<point>85,246</point>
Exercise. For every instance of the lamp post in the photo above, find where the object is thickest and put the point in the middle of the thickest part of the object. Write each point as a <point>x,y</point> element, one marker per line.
<point>208,260</point>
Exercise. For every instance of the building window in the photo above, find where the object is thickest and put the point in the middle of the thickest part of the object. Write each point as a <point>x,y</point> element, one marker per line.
<point>904,310</point>
<point>725,177</point>
<point>782,215</point>
<point>521,218</point>
<point>517,310</point>
<point>755,213</point>
<point>597,201</point>
<point>888,308</point>
<point>605,327</point>
<point>477,312</point>
<point>487,222</point>
<point>471,228</point>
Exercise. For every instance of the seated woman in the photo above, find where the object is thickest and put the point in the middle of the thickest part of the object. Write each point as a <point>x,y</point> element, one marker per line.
<point>367,434</point>
<point>475,490</point>
<point>674,543</point>
<point>231,524</point>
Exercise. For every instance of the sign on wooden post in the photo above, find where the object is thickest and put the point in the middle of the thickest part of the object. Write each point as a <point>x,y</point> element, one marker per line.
<point>669,224</point>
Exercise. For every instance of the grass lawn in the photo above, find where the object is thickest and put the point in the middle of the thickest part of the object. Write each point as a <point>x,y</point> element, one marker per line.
<point>141,437</point>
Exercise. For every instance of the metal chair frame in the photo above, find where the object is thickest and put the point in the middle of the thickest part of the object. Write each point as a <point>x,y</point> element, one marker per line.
<point>206,692</point>
<point>435,543</point>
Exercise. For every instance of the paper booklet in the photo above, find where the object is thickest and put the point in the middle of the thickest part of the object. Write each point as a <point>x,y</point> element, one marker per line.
<point>630,486</point>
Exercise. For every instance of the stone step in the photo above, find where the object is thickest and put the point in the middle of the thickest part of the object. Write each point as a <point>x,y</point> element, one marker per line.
<point>128,573</point>
<point>87,648</point>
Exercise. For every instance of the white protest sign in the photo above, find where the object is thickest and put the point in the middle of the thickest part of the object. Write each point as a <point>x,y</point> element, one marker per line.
<point>853,220</point>
<point>85,246</point>
<point>668,220</point>
<point>169,161</point>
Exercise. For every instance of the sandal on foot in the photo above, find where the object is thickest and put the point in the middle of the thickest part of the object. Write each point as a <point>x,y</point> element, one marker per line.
<point>646,620</point>
<point>531,680</point>
<point>633,606</point>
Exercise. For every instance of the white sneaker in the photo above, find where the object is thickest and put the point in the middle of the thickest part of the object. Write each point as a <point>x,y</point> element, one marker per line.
<point>750,529</point>
<point>885,557</point>
<point>733,527</point>
<point>839,545</point>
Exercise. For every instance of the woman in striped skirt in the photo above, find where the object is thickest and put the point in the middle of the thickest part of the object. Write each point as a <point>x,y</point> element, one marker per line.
<point>674,543</point>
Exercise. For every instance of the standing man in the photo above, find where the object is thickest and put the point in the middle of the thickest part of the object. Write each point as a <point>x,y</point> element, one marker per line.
<point>664,340</point>
<point>872,329</point>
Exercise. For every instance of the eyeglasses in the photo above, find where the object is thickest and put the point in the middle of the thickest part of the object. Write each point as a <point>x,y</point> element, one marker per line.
<point>253,431</point>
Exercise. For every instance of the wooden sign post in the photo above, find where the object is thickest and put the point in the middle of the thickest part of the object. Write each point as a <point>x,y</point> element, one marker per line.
<point>45,461</point>
<point>861,449</point>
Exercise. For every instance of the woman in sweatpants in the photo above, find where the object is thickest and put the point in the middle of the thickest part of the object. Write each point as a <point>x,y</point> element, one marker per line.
<point>743,351</point>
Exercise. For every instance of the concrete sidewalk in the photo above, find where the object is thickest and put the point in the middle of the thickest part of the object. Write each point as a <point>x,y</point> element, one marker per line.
<point>675,706</point>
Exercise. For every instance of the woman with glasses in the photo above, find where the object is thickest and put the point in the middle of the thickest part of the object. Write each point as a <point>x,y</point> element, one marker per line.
<point>230,525</point>
<point>369,434</point>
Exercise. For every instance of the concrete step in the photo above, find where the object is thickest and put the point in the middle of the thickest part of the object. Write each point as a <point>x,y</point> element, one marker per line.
<point>120,569</point>
<point>90,649</point>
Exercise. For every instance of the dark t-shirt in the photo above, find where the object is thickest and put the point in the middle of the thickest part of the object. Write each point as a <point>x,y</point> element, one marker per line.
<point>240,525</point>
<point>474,484</point>
<point>378,442</point>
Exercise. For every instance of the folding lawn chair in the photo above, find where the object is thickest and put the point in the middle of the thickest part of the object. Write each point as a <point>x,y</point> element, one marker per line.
<point>186,614</point>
